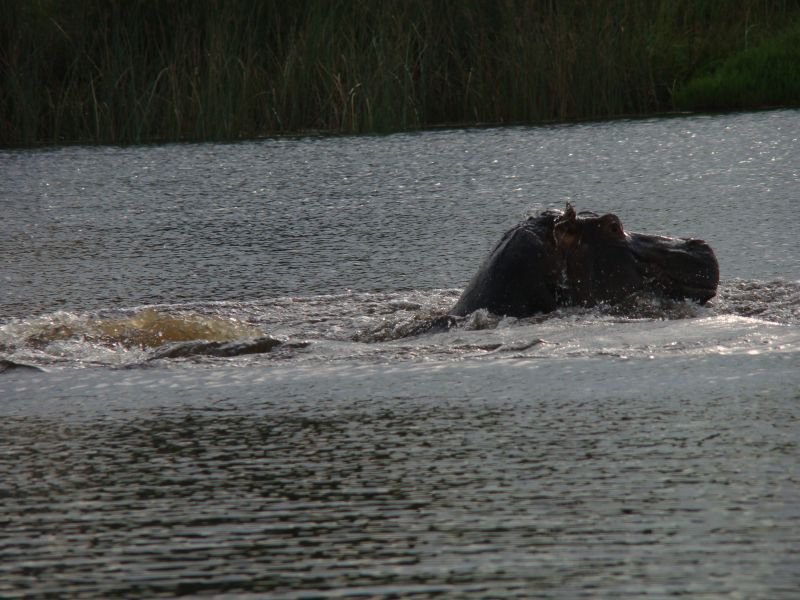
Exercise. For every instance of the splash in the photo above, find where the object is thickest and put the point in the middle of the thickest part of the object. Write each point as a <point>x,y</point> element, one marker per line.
<point>145,328</point>
<point>777,301</point>
<point>151,328</point>
<point>746,316</point>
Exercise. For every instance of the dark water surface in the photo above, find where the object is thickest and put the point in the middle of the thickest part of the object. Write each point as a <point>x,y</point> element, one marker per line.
<point>648,450</point>
<point>294,483</point>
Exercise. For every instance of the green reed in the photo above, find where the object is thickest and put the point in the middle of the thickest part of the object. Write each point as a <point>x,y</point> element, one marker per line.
<point>108,72</point>
<point>765,74</point>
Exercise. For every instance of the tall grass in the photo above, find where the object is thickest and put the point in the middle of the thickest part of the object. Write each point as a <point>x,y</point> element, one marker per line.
<point>149,70</point>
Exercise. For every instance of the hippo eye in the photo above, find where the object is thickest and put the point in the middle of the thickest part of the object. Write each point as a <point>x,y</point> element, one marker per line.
<point>615,228</point>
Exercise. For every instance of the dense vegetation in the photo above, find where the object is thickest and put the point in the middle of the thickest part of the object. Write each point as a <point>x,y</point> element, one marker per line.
<point>147,70</point>
<point>763,75</point>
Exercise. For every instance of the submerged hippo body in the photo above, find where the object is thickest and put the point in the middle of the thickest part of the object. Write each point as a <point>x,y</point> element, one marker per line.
<point>560,258</point>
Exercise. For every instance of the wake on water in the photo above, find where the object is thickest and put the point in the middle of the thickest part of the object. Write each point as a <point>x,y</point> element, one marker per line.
<point>746,316</point>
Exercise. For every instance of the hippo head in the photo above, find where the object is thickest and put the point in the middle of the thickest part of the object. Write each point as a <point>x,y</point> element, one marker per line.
<point>562,258</point>
<point>604,263</point>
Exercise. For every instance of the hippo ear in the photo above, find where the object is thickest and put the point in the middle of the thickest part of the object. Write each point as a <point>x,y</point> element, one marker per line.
<point>566,220</point>
<point>569,216</point>
<point>565,229</point>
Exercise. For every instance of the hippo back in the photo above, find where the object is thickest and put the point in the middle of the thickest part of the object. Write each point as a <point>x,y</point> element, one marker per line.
<point>520,275</point>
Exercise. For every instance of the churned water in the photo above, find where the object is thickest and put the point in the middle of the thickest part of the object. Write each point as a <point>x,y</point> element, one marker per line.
<point>221,374</point>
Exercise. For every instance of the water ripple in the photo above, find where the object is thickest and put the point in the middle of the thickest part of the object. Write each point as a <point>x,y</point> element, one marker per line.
<point>413,498</point>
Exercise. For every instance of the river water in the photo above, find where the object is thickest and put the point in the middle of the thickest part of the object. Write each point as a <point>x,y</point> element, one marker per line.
<point>237,393</point>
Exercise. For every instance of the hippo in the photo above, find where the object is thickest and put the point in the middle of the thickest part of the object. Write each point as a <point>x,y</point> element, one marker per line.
<point>563,258</point>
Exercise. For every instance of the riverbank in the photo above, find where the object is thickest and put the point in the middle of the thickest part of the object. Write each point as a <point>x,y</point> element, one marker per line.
<point>162,71</point>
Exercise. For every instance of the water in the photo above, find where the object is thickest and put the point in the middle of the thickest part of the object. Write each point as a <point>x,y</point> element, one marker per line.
<point>646,450</point>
